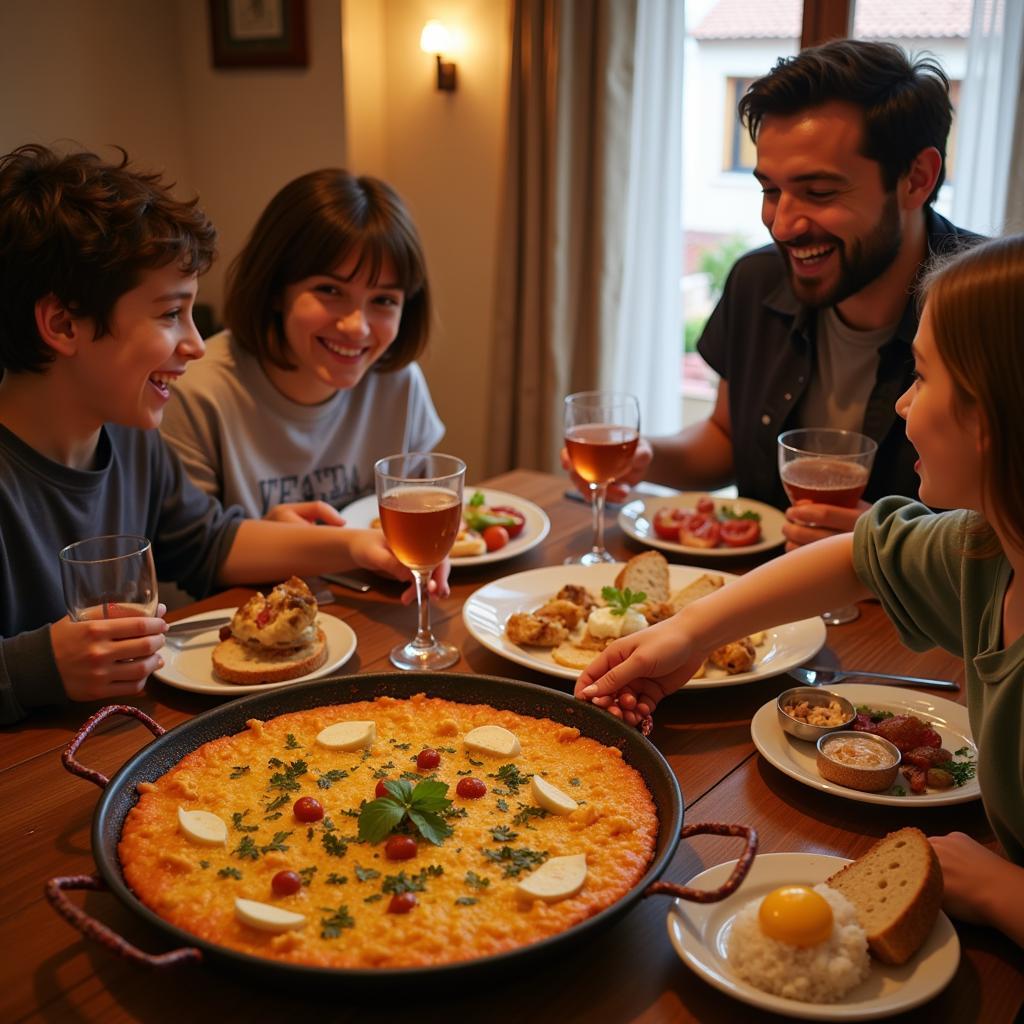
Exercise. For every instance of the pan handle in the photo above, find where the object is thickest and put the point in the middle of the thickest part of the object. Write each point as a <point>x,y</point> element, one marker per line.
<point>92,929</point>
<point>79,769</point>
<point>731,884</point>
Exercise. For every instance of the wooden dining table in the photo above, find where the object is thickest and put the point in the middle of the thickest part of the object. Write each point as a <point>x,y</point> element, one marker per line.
<point>628,972</point>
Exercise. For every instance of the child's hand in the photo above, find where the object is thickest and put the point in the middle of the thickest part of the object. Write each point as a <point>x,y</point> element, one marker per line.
<point>631,675</point>
<point>99,659</point>
<point>370,550</point>
<point>305,512</point>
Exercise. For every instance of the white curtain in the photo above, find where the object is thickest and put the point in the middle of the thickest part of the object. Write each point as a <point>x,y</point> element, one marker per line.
<point>648,331</point>
<point>988,195</point>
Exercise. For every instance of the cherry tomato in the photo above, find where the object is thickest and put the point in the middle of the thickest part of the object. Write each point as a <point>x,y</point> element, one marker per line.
<point>400,848</point>
<point>402,903</point>
<point>700,531</point>
<point>308,808</point>
<point>471,789</point>
<point>380,790</point>
<point>512,513</point>
<point>495,537</point>
<point>427,759</point>
<point>285,883</point>
<point>706,505</point>
<point>667,522</point>
<point>738,533</point>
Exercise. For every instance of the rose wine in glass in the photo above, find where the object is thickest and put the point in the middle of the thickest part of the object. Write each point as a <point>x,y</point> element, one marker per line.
<point>602,430</point>
<point>420,500</point>
<point>110,577</point>
<point>827,467</point>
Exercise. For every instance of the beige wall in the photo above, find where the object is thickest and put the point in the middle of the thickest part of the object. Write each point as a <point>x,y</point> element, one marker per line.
<point>138,72</point>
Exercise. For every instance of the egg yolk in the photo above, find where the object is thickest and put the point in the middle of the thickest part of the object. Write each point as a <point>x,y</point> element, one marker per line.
<point>797,915</point>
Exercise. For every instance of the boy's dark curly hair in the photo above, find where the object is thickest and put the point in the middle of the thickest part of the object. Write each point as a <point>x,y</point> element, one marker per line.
<point>83,230</point>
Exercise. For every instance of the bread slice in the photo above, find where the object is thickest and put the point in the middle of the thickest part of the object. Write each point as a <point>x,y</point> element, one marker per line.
<point>896,888</point>
<point>703,585</point>
<point>572,656</point>
<point>648,573</point>
<point>248,665</point>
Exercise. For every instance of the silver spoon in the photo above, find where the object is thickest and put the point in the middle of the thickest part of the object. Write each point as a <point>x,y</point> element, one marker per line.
<point>827,676</point>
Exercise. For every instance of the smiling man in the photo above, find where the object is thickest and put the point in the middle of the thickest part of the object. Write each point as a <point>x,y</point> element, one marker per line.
<point>815,329</point>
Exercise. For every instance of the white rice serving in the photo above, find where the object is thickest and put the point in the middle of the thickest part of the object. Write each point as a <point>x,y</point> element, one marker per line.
<point>815,974</point>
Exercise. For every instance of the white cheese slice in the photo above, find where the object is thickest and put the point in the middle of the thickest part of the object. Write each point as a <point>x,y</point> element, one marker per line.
<point>556,879</point>
<point>203,827</point>
<point>551,798</point>
<point>493,739</point>
<point>348,735</point>
<point>266,917</point>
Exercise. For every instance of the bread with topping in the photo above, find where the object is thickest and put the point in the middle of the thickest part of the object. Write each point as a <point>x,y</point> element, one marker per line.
<point>647,573</point>
<point>249,665</point>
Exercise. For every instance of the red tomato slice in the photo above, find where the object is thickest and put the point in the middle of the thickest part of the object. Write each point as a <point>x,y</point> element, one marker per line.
<point>706,505</point>
<point>700,531</point>
<point>513,513</point>
<point>667,522</point>
<point>739,533</point>
<point>495,537</point>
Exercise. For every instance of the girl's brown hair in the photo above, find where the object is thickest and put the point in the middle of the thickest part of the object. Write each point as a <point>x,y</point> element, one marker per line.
<point>976,305</point>
<point>310,227</point>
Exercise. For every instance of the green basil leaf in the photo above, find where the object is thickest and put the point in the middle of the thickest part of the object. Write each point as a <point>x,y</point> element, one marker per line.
<point>400,790</point>
<point>431,826</point>
<point>430,795</point>
<point>378,818</point>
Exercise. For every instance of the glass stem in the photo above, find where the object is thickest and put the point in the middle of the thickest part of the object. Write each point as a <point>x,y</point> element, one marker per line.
<point>597,495</point>
<point>424,637</point>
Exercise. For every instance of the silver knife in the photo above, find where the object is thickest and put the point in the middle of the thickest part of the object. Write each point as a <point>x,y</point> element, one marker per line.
<point>196,626</point>
<point>345,581</point>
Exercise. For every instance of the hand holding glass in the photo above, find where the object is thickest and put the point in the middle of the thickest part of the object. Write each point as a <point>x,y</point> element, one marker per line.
<point>420,500</point>
<point>109,577</point>
<point>828,467</point>
<point>602,430</point>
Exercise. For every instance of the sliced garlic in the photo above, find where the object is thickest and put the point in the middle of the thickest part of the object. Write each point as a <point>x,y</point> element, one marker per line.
<point>348,735</point>
<point>551,798</point>
<point>493,739</point>
<point>556,879</point>
<point>266,917</point>
<point>203,827</point>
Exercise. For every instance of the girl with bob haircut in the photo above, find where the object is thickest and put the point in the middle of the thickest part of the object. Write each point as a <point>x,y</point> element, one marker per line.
<point>315,378</point>
<point>949,579</point>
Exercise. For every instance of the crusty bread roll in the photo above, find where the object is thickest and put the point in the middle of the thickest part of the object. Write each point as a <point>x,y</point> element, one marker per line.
<point>897,889</point>
<point>703,585</point>
<point>647,573</point>
<point>247,664</point>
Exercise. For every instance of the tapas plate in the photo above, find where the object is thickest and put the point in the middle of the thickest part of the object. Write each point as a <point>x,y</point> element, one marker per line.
<point>187,664</point>
<point>798,758</point>
<point>362,514</point>
<point>636,518</point>
<point>700,934</point>
<point>487,610</point>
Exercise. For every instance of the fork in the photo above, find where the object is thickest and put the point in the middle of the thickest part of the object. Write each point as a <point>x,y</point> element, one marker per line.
<point>815,676</point>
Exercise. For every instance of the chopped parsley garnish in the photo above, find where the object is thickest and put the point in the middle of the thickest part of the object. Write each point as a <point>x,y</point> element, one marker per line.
<point>963,752</point>
<point>400,746</point>
<point>328,779</point>
<point>574,781</point>
<point>229,873</point>
<point>278,801</point>
<point>397,884</point>
<point>246,849</point>
<point>382,771</point>
<point>465,901</point>
<point>332,926</point>
<point>514,859</point>
<point>897,791</point>
<point>273,817</point>
<point>873,713</point>
<point>306,874</point>
<point>239,770</point>
<point>366,874</point>
<point>455,812</point>
<point>334,845</point>
<point>962,771</point>
<point>287,779</point>
<point>619,601</point>
<point>412,776</point>
<point>503,834</point>
<point>446,750</point>
<point>204,864</point>
<point>291,742</point>
<point>511,776</point>
<point>475,881</point>
<point>421,806</point>
<point>236,820</point>
<point>526,813</point>
<point>501,805</point>
<point>475,764</point>
<point>468,771</point>
<point>373,897</point>
<point>354,812</point>
<point>277,843</point>
<point>725,512</point>
<point>336,879</point>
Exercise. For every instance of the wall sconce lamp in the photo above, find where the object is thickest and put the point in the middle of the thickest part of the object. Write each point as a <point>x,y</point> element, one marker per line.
<point>436,39</point>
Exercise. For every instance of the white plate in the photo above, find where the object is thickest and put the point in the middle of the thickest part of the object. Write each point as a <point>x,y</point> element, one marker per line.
<point>699,932</point>
<point>487,610</point>
<point>637,521</point>
<point>362,512</point>
<point>798,758</point>
<point>188,666</point>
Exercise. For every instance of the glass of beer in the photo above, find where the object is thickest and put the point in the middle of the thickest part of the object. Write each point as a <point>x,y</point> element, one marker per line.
<point>109,577</point>
<point>602,429</point>
<point>828,467</point>
<point>420,500</point>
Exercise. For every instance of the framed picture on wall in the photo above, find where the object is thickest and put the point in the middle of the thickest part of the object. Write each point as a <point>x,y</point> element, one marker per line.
<point>258,33</point>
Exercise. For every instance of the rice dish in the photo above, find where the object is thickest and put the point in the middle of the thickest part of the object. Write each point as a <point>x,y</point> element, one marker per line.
<point>822,973</point>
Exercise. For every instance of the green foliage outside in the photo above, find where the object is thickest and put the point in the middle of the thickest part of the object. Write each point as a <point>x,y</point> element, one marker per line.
<point>716,263</point>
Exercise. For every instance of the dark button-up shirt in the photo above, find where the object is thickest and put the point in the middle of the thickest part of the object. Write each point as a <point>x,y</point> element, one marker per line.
<point>761,340</point>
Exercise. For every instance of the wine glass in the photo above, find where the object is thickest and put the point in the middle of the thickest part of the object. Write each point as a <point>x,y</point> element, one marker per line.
<point>602,429</point>
<point>109,577</point>
<point>829,467</point>
<point>420,500</point>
